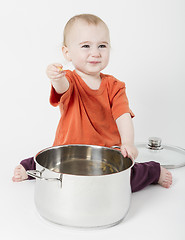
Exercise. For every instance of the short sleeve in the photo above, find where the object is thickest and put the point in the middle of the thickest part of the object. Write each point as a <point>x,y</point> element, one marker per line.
<point>120,104</point>
<point>54,97</point>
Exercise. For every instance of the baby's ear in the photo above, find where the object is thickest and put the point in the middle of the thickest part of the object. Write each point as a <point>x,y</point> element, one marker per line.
<point>66,54</point>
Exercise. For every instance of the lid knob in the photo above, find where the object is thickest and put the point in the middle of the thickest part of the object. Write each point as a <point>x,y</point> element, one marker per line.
<point>154,143</point>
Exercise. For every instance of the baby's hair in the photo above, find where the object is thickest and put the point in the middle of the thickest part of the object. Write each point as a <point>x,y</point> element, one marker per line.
<point>88,18</point>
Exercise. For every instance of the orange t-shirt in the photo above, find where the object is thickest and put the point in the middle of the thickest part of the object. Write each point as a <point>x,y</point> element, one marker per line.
<point>88,116</point>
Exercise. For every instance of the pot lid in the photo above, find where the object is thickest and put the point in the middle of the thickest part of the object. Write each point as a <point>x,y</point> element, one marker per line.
<point>168,156</point>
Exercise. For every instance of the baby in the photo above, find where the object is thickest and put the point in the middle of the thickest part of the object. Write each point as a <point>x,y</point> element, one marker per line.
<point>94,106</point>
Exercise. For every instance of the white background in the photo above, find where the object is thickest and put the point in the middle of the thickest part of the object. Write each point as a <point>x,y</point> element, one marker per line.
<point>148,54</point>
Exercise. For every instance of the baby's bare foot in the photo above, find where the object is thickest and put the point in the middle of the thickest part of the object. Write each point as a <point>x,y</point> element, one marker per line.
<point>19,174</point>
<point>165,179</point>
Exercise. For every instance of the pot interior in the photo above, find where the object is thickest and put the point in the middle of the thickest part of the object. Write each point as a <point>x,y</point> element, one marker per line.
<point>85,160</point>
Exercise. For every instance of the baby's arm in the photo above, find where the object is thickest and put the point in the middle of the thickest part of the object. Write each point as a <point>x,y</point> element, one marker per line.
<point>57,76</point>
<point>126,130</point>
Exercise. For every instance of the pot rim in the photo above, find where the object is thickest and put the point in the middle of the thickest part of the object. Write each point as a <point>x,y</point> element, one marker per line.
<point>87,145</point>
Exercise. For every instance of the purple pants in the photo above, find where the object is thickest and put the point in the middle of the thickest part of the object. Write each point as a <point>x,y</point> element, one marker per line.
<point>142,174</point>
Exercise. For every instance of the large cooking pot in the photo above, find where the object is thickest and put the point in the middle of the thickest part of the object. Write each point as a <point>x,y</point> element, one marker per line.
<point>82,185</point>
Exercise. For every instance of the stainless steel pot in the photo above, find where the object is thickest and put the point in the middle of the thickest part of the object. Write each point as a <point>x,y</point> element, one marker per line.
<point>82,185</point>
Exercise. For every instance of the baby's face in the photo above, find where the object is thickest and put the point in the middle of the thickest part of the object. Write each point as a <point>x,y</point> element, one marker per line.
<point>88,47</point>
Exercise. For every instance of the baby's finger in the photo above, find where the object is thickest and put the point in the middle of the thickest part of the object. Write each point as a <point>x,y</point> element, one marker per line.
<point>57,76</point>
<point>131,156</point>
<point>58,67</point>
<point>51,69</point>
<point>124,152</point>
<point>53,72</point>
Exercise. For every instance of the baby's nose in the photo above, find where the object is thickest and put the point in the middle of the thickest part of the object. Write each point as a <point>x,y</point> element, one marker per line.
<point>95,52</point>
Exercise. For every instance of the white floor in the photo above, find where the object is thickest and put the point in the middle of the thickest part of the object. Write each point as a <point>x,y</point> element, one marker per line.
<point>154,213</point>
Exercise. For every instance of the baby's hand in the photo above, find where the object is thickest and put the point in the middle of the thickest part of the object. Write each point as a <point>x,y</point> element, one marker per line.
<point>55,71</point>
<point>129,150</point>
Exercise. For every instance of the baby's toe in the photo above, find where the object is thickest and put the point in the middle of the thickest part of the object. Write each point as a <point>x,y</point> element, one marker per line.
<point>16,179</point>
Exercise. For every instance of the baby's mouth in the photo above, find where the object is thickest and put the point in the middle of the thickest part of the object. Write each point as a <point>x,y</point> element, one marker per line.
<point>94,62</point>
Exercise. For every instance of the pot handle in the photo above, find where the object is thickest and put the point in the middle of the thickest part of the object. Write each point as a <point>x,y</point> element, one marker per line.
<point>38,175</point>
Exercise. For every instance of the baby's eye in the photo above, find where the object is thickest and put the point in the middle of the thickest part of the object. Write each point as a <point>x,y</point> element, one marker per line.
<point>85,46</point>
<point>102,46</point>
